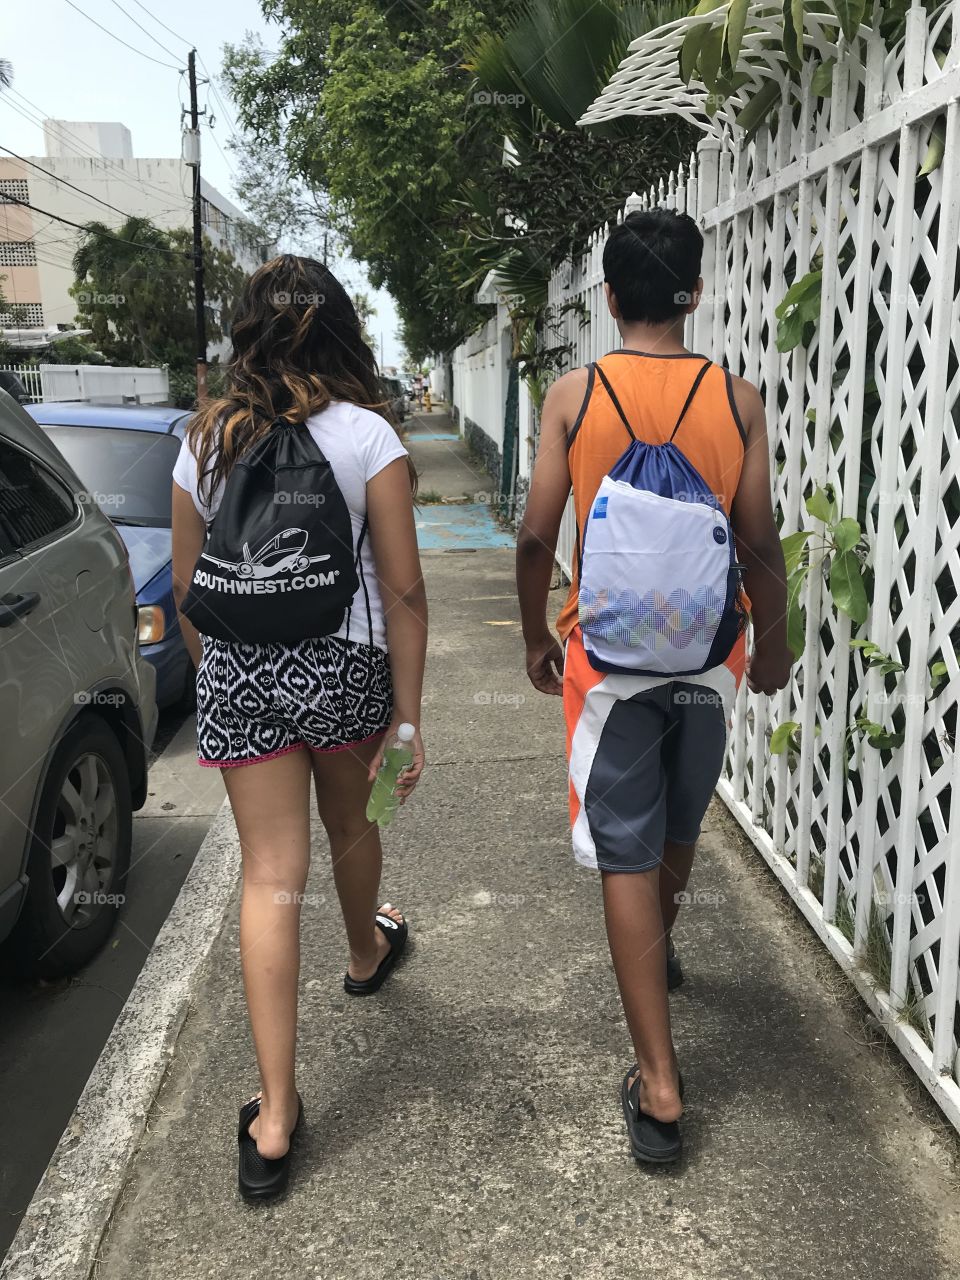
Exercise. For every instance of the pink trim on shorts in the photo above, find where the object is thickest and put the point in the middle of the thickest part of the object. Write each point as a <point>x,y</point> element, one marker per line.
<point>296,746</point>
<point>233,764</point>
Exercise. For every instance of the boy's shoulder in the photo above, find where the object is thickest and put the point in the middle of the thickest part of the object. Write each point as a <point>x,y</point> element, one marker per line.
<point>748,402</point>
<point>566,392</point>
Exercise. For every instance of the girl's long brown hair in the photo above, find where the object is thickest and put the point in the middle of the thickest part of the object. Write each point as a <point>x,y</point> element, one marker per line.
<point>297,345</point>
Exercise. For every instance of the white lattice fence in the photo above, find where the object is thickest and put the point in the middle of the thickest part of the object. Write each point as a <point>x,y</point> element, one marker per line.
<point>866,842</point>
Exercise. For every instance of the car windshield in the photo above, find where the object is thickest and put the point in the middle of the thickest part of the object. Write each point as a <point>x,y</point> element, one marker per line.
<point>127,472</point>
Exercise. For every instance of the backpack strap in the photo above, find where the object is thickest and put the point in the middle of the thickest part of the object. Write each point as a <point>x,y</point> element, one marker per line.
<point>693,391</point>
<point>358,565</point>
<point>616,403</point>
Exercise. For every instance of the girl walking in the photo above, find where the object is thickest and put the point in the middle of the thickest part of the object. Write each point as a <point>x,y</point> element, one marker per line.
<point>280,717</point>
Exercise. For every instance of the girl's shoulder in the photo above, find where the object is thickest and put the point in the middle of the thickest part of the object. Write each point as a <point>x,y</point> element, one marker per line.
<point>341,412</point>
<point>363,428</point>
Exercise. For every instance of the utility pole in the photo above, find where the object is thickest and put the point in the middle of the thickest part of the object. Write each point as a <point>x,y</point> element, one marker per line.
<point>192,157</point>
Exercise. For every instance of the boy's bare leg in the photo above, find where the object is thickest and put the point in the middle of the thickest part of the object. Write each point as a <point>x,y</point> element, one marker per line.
<point>631,903</point>
<point>674,874</point>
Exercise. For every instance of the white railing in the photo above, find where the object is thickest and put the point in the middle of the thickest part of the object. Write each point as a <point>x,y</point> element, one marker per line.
<point>94,382</point>
<point>866,842</point>
<point>29,376</point>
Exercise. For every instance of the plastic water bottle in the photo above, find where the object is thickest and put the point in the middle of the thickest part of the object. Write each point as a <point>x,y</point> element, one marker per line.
<point>397,756</point>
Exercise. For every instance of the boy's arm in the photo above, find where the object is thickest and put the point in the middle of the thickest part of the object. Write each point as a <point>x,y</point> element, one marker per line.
<point>537,539</point>
<point>759,550</point>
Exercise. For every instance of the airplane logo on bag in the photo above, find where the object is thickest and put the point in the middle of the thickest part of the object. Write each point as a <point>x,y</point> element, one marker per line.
<point>282,554</point>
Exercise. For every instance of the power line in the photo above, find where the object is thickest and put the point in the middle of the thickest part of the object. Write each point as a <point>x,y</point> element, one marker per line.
<point>152,248</point>
<point>176,35</point>
<point>223,106</point>
<point>152,15</point>
<point>213,138</point>
<point>131,47</point>
<point>144,29</point>
<point>87,196</point>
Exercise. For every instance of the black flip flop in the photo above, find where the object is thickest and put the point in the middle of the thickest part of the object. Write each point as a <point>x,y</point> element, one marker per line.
<point>652,1141</point>
<point>258,1177</point>
<point>396,932</point>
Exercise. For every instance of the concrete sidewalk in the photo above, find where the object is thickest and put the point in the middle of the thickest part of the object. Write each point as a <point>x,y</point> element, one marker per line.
<point>466,1122</point>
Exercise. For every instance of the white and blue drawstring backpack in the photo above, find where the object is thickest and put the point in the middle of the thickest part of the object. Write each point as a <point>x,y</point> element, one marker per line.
<point>659,579</point>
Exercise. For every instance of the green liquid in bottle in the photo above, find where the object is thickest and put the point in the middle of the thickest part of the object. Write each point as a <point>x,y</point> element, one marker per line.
<point>397,756</point>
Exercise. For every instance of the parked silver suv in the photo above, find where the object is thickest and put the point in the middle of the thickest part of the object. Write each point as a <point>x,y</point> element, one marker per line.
<point>77,708</point>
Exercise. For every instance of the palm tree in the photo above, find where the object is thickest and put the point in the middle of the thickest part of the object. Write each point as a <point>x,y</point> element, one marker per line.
<point>6,73</point>
<point>557,55</point>
<point>543,68</point>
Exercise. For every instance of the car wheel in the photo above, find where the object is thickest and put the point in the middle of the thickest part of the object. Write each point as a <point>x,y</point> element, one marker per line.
<point>79,854</point>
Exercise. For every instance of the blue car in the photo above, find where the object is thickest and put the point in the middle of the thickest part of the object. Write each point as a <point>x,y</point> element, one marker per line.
<point>125,453</point>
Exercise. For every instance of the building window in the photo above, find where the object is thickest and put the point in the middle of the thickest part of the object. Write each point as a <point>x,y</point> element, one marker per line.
<point>18,253</point>
<point>29,315</point>
<point>14,189</point>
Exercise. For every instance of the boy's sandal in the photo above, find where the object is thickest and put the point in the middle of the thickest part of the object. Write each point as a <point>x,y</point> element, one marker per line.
<point>652,1141</point>
<point>260,1178</point>
<point>679,1079</point>
<point>396,933</point>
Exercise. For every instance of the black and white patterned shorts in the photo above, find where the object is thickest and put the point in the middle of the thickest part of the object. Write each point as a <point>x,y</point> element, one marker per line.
<point>257,701</point>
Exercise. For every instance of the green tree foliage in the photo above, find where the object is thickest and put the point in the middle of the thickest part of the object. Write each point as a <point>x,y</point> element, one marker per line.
<point>398,113</point>
<point>365,311</point>
<point>281,206</point>
<point>367,101</point>
<point>134,290</point>
<point>16,314</point>
<point>73,350</point>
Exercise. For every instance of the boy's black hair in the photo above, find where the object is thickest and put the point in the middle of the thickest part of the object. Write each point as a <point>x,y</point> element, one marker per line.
<point>652,264</point>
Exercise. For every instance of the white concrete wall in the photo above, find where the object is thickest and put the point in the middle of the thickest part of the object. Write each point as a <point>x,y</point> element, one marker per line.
<point>105,384</point>
<point>480,376</point>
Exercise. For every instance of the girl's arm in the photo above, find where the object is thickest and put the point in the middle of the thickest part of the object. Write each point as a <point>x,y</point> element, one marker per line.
<point>188,536</point>
<point>393,537</point>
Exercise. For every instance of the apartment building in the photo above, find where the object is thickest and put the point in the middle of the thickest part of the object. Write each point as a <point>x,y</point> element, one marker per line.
<point>89,173</point>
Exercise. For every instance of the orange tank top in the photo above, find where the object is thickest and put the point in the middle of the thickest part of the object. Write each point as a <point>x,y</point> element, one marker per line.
<point>652,391</point>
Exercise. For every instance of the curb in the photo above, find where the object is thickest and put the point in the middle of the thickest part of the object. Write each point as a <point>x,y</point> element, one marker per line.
<point>63,1226</point>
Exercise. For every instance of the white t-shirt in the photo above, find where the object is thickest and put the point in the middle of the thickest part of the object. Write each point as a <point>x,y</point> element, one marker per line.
<point>358,444</point>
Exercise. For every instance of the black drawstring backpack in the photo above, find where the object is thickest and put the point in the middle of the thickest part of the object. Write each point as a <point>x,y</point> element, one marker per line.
<point>279,562</point>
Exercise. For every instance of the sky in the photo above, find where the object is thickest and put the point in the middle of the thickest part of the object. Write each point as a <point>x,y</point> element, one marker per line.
<point>66,67</point>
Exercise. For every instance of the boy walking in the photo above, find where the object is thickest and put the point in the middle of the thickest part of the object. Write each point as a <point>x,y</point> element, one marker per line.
<point>645,751</point>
